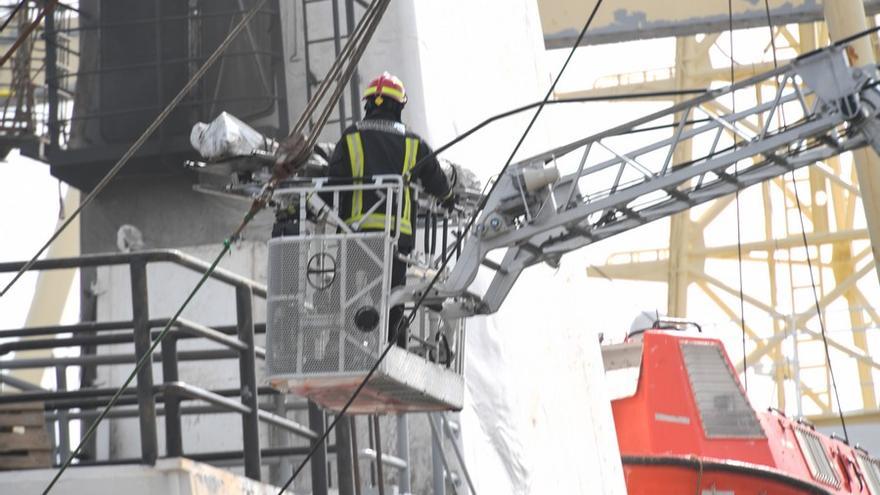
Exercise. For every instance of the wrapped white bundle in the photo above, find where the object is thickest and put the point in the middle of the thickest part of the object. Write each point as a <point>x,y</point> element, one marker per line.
<point>226,137</point>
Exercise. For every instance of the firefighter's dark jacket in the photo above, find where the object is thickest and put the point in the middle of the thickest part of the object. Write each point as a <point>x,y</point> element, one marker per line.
<point>378,146</point>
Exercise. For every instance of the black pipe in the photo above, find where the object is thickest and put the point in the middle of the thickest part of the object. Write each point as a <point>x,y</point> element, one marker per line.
<point>91,326</point>
<point>107,392</point>
<point>433,234</point>
<point>269,452</point>
<point>98,360</point>
<point>151,256</point>
<point>445,236</point>
<point>317,422</point>
<point>173,427</point>
<point>103,326</point>
<point>250,422</point>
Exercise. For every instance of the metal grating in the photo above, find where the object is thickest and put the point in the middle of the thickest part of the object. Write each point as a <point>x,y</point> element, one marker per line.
<point>316,286</point>
<point>724,409</point>
<point>816,457</point>
<point>871,468</point>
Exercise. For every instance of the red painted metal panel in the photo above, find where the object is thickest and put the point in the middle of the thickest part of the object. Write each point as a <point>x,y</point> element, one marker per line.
<point>665,449</point>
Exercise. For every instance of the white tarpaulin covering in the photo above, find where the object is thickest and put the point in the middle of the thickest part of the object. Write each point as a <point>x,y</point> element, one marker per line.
<point>537,418</point>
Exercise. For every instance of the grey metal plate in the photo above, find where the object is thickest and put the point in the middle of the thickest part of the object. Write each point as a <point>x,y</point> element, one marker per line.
<point>816,457</point>
<point>724,409</point>
<point>316,286</point>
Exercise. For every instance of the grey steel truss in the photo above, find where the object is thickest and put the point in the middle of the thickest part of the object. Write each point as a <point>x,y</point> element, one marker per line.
<point>821,107</point>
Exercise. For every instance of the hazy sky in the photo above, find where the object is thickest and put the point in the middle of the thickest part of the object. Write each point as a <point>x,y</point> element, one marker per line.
<point>29,199</point>
<point>29,208</point>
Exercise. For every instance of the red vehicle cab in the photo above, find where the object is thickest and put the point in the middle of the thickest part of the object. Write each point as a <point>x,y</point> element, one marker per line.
<point>684,426</point>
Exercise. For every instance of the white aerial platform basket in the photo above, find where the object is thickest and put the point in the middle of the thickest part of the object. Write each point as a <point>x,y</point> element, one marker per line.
<point>319,284</point>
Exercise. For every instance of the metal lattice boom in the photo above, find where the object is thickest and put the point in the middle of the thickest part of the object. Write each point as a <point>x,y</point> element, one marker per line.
<point>822,108</point>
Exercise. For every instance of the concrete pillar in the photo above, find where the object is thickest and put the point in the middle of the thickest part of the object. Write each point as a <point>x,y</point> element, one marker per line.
<point>53,286</point>
<point>681,226</point>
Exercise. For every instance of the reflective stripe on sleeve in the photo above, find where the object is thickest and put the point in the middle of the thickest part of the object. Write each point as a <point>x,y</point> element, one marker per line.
<point>409,161</point>
<point>356,157</point>
<point>376,221</point>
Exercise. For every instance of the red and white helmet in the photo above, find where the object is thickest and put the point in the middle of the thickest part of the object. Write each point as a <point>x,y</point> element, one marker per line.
<point>388,86</point>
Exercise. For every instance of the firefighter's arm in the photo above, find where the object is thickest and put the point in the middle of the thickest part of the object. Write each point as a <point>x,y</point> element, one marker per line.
<point>431,175</point>
<point>337,166</point>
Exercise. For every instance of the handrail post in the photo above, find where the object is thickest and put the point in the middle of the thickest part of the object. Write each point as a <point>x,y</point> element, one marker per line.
<point>280,438</point>
<point>50,36</point>
<point>63,415</point>
<point>319,459</point>
<point>403,452</point>
<point>173,429</point>
<point>344,461</point>
<point>141,320</point>
<point>439,464</point>
<point>250,422</point>
<point>377,447</point>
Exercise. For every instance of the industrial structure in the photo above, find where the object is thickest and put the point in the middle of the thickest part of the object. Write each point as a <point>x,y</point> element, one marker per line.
<point>260,363</point>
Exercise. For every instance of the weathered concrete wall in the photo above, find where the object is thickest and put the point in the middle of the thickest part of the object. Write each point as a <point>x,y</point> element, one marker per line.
<point>214,305</point>
<point>168,213</point>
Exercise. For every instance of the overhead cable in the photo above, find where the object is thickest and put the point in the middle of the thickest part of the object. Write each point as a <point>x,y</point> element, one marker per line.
<point>146,358</point>
<point>807,247</point>
<point>44,11</point>
<point>412,314</point>
<point>584,99</point>
<point>136,146</point>
<point>12,14</point>
<point>346,62</point>
<point>739,257</point>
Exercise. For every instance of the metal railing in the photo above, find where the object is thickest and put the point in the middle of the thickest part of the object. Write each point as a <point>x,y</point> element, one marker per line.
<point>172,399</point>
<point>424,337</point>
<point>175,396</point>
<point>25,94</point>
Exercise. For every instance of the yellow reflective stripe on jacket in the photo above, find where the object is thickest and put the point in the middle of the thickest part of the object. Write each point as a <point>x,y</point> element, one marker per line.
<point>409,161</point>
<point>376,221</point>
<point>356,157</point>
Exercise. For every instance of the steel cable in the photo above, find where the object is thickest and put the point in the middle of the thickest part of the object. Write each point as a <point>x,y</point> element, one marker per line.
<point>586,99</point>
<point>807,251</point>
<point>227,243</point>
<point>742,304</point>
<point>363,30</point>
<point>136,146</point>
<point>359,47</point>
<point>47,9</point>
<point>142,361</point>
<point>12,14</point>
<point>412,314</point>
<point>359,43</point>
<point>146,358</point>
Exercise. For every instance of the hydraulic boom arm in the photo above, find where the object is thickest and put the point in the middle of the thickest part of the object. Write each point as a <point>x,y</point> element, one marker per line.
<point>821,107</point>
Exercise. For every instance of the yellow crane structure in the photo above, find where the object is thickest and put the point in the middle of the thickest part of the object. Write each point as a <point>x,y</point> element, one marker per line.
<point>842,252</point>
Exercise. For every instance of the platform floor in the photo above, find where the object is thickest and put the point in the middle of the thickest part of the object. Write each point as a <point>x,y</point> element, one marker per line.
<point>403,383</point>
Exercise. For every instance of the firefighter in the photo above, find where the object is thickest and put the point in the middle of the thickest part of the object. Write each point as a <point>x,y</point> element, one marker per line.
<point>378,145</point>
